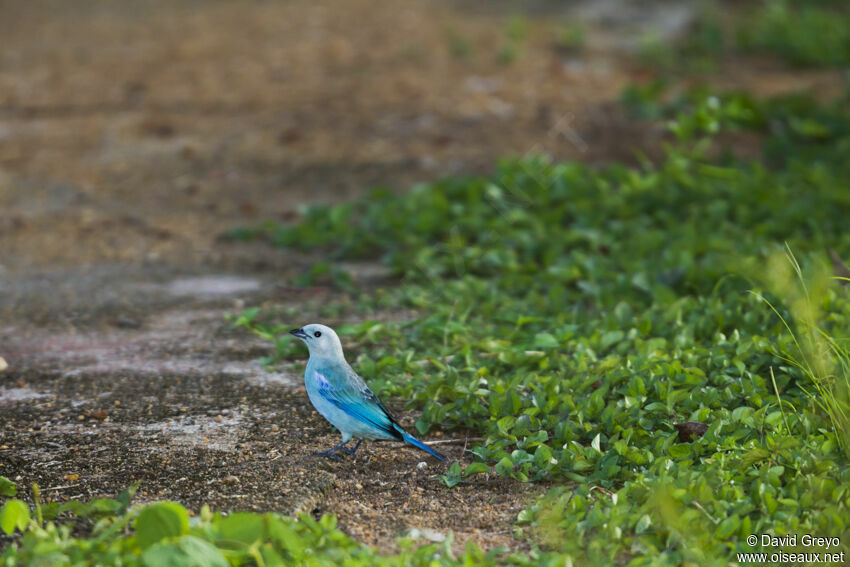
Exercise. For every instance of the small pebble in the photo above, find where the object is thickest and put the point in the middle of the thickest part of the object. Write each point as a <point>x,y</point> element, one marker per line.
<point>231,479</point>
<point>421,465</point>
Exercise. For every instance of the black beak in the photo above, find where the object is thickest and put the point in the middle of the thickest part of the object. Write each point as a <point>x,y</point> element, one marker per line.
<point>298,333</point>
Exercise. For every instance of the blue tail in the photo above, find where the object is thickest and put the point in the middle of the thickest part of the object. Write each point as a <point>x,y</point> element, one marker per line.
<point>408,438</point>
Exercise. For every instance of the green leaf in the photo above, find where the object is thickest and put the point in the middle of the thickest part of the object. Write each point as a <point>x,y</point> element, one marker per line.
<point>505,467</point>
<point>159,521</point>
<point>727,527</point>
<point>476,467</point>
<point>754,456</point>
<point>543,457</point>
<point>103,506</point>
<point>7,487</point>
<point>512,403</point>
<point>188,551</point>
<point>286,537</point>
<point>545,340</point>
<point>14,514</point>
<point>680,451</point>
<point>242,527</point>
<point>50,510</point>
<point>125,497</point>
<point>271,558</point>
<point>246,317</point>
<point>596,442</point>
<point>610,338</point>
<point>505,424</point>
<point>452,476</point>
<point>643,524</point>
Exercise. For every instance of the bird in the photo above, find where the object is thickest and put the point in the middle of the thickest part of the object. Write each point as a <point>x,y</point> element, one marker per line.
<point>341,396</point>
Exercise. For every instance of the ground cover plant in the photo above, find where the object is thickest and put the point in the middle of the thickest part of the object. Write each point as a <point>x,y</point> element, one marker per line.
<point>804,34</point>
<point>574,317</point>
<point>165,535</point>
<point>813,33</point>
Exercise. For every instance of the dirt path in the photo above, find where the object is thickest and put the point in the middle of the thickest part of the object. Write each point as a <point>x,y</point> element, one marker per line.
<point>133,135</point>
<point>175,401</point>
<point>179,404</point>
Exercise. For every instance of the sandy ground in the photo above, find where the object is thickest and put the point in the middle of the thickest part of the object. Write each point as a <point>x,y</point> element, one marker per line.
<point>133,135</point>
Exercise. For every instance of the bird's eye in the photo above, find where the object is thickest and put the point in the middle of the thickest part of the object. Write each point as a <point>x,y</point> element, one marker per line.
<point>317,334</point>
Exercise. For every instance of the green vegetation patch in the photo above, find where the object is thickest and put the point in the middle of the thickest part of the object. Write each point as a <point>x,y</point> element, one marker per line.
<point>813,33</point>
<point>164,535</point>
<point>802,33</point>
<point>575,316</point>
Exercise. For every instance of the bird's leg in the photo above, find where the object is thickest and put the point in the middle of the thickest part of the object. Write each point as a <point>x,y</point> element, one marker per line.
<point>330,452</point>
<point>352,451</point>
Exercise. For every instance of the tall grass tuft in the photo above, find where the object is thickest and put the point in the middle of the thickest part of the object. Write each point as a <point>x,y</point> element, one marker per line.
<point>823,358</point>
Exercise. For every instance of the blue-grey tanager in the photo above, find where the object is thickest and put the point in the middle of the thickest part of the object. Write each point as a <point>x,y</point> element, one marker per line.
<point>341,396</point>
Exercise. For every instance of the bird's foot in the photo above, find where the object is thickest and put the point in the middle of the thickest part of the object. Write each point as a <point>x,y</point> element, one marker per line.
<point>351,451</point>
<point>338,447</point>
<point>329,454</point>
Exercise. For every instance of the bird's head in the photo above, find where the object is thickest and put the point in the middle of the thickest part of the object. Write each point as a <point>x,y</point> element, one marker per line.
<point>322,341</point>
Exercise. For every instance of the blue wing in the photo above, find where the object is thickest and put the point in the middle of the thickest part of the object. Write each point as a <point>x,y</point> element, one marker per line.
<point>351,395</point>
<point>358,401</point>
